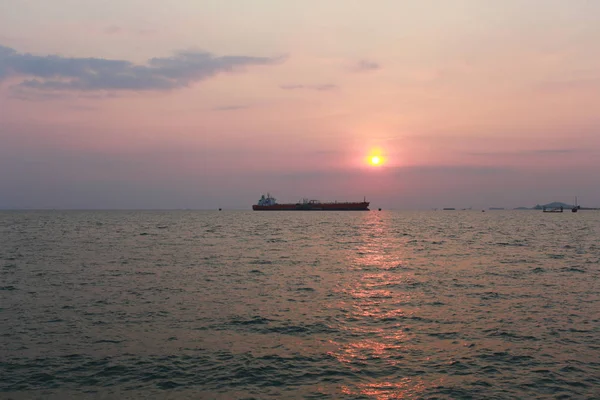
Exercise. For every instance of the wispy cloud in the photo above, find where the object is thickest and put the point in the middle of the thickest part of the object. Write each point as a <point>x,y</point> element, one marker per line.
<point>324,87</point>
<point>146,31</point>
<point>524,152</point>
<point>455,170</point>
<point>21,93</point>
<point>559,86</point>
<point>79,107</point>
<point>443,172</point>
<point>230,108</point>
<point>26,95</point>
<point>113,29</point>
<point>556,151</point>
<point>58,73</point>
<point>365,66</point>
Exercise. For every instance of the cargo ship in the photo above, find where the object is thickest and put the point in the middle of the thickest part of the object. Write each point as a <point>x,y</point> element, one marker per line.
<point>269,203</point>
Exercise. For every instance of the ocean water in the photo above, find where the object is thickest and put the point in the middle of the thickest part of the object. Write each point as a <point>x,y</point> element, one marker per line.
<point>250,305</point>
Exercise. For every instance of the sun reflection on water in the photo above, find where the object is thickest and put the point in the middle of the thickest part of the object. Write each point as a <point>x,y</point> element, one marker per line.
<point>370,349</point>
<point>403,388</point>
<point>377,303</point>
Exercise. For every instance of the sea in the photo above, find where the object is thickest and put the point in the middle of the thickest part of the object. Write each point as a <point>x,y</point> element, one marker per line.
<point>299,305</point>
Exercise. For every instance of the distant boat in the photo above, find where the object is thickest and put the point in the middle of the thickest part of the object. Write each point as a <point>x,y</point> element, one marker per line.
<point>449,208</point>
<point>553,209</point>
<point>575,207</point>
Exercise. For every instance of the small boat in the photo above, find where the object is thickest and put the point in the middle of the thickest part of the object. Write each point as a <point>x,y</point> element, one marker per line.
<point>575,207</point>
<point>553,210</point>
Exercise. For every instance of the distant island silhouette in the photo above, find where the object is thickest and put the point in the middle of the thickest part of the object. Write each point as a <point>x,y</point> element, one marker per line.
<point>554,204</point>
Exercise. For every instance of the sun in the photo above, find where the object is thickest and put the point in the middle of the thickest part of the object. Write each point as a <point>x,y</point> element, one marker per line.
<point>375,158</point>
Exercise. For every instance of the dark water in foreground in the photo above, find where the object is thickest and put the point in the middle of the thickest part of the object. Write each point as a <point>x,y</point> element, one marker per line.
<point>228,305</point>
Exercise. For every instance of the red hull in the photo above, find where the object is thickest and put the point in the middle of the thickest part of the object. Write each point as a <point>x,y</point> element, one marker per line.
<point>360,206</point>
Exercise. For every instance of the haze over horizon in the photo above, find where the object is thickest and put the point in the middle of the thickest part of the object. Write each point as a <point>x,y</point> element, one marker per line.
<point>201,104</point>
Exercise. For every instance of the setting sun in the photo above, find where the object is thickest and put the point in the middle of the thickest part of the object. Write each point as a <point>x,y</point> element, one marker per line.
<point>375,157</point>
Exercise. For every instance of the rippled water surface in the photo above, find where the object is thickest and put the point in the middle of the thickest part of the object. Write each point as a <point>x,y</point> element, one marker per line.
<point>365,305</point>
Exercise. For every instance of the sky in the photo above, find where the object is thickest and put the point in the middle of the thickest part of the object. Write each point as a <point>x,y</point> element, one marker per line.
<point>209,103</point>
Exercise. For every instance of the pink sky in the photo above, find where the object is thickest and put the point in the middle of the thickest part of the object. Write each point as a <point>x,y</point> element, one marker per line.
<point>206,104</point>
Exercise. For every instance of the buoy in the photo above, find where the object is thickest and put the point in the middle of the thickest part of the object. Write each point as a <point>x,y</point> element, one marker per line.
<point>380,209</point>
<point>219,209</point>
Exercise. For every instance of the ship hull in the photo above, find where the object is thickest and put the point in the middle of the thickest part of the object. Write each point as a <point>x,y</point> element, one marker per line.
<point>362,206</point>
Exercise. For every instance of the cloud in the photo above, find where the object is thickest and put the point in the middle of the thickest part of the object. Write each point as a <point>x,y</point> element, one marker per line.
<point>366,65</point>
<point>26,95</point>
<point>524,152</point>
<point>556,151</point>
<point>111,30</point>
<point>559,86</point>
<point>58,73</point>
<point>230,108</point>
<point>322,88</point>
<point>115,29</point>
<point>444,170</point>
<point>146,31</point>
